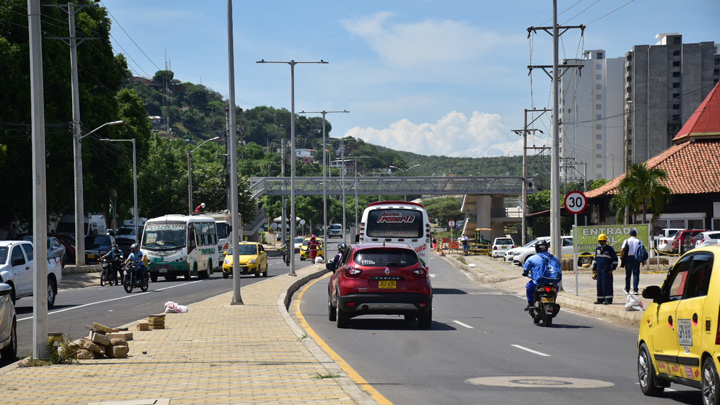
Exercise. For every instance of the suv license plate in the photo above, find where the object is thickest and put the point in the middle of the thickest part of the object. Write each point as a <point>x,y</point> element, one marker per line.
<point>547,300</point>
<point>387,284</point>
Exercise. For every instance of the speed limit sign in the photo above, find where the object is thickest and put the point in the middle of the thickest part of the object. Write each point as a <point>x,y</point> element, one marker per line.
<point>575,202</point>
<point>451,223</point>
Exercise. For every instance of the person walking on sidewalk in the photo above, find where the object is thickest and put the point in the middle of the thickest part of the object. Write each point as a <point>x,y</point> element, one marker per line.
<point>605,262</point>
<point>632,266</point>
<point>465,244</point>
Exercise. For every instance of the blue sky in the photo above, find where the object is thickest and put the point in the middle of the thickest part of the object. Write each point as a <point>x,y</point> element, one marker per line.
<point>436,77</point>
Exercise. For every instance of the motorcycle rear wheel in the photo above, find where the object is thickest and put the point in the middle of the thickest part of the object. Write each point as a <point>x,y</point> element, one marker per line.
<point>128,284</point>
<point>102,278</point>
<point>144,286</point>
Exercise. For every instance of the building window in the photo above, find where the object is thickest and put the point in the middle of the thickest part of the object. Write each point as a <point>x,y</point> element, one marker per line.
<point>676,118</point>
<point>598,77</point>
<point>676,53</point>
<point>598,136</point>
<point>598,146</point>
<point>676,74</point>
<point>677,40</point>
<point>598,166</point>
<point>676,85</point>
<point>598,66</point>
<point>716,72</point>
<point>598,97</point>
<point>676,63</point>
<point>599,86</point>
<point>598,106</point>
<point>598,126</point>
<point>676,106</point>
<point>598,116</point>
<point>599,55</point>
<point>676,95</point>
<point>598,156</point>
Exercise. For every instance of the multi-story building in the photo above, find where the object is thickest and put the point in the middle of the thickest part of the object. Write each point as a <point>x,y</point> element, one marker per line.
<point>664,84</point>
<point>591,130</point>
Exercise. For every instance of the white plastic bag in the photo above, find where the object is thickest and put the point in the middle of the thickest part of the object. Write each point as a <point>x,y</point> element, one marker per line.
<point>633,303</point>
<point>175,308</point>
<point>319,260</point>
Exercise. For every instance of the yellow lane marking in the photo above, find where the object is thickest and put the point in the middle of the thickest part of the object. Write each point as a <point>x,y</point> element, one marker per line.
<point>378,397</point>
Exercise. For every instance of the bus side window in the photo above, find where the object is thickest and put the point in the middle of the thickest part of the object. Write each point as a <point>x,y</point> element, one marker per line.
<point>191,238</point>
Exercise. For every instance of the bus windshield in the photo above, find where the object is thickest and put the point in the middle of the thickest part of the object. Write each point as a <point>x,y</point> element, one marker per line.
<point>395,223</point>
<point>164,236</point>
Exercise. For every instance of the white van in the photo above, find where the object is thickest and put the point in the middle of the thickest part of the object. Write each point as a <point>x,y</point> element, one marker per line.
<point>94,225</point>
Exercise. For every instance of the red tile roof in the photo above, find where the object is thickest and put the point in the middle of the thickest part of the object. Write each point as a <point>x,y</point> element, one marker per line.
<point>704,123</point>
<point>692,168</point>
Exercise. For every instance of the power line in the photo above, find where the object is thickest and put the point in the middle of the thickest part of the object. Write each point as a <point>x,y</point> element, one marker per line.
<point>128,35</point>
<point>600,18</point>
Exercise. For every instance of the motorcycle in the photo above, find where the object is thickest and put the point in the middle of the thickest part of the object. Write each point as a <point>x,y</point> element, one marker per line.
<point>544,307</point>
<point>286,255</point>
<point>107,274</point>
<point>131,280</point>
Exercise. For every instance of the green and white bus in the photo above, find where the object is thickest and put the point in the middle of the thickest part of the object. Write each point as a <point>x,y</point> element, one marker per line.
<point>180,245</point>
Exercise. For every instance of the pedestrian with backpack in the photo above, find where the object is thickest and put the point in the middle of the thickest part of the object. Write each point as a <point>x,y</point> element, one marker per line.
<point>542,267</point>
<point>632,261</point>
<point>605,262</point>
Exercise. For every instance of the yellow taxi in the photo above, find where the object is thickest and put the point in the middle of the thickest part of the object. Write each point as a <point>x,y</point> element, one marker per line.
<point>305,255</point>
<point>252,260</point>
<point>679,338</point>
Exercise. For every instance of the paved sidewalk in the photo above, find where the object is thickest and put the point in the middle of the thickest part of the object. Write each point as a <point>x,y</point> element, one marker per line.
<point>216,353</point>
<point>508,277</point>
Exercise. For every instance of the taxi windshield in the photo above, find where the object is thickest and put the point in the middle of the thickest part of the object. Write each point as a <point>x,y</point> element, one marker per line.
<point>245,250</point>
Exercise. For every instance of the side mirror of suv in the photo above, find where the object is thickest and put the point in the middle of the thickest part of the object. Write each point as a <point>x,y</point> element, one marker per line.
<point>652,292</point>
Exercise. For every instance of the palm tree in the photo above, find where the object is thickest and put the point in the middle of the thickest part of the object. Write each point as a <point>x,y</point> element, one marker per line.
<point>641,190</point>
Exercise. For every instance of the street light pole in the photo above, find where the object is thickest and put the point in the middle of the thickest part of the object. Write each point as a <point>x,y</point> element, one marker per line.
<point>293,224</point>
<point>135,193</point>
<point>79,199</point>
<point>323,112</point>
<point>190,179</point>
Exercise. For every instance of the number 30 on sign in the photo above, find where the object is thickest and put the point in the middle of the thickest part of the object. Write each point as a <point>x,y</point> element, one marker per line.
<point>575,202</point>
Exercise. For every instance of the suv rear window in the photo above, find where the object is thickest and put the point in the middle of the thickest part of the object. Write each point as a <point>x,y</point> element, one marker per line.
<point>386,257</point>
<point>394,223</point>
<point>503,241</point>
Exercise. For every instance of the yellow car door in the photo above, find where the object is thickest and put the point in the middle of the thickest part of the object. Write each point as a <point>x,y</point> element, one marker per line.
<point>695,327</point>
<point>664,333</point>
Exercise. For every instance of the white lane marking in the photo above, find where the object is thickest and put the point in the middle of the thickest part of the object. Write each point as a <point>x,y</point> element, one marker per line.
<point>433,275</point>
<point>463,324</point>
<point>110,300</point>
<point>530,350</point>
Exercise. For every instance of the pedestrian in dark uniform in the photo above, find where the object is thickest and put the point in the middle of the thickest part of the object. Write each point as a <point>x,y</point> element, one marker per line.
<point>606,261</point>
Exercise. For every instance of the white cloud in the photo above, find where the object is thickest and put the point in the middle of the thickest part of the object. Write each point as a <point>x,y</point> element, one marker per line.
<point>429,41</point>
<point>453,135</point>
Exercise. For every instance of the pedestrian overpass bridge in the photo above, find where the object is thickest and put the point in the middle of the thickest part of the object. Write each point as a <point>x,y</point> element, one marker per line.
<point>483,197</point>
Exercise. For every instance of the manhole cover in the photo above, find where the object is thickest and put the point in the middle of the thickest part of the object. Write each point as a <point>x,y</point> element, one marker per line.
<point>539,382</point>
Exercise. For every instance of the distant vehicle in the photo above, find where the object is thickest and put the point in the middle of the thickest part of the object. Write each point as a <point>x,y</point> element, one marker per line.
<point>397,222</point>
<point>180,245</point>
<point>252,259</point>
<point>305,255</point>
<point>379,278</point>
<point>125,237</point>
<point>55,248</point>
<point>97,245</point>
<point>335,230</point>
<point>683,240</point>
<point>510,254</point>
<point>524,253</point>
<point>16,270</point>
<point>8,325</point>
<point>94,225</point>
<point>69,242</point>
<point>707,238</point>
<point>297,242</point>
<point>502,245</point>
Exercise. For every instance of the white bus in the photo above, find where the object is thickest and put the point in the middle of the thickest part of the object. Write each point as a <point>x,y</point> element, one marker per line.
<point>223,227</point>
<point>397,222</point>
<point>180,245</point>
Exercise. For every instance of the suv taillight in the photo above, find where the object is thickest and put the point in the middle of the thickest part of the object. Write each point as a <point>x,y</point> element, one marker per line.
<point>420,272</point>
<point>352,272</point>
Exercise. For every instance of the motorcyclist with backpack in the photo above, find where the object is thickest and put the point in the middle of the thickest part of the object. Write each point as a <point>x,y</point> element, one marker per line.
<point>535,268</point>
<point>115,255</point>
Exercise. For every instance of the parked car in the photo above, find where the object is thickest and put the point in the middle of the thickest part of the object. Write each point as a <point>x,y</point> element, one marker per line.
<point>679,334</point>
<point>125,237</point>
<point>664,241</point>
<point>683,240</point>
<point>16,270</point>
<point>524,253</point>
<point>96,246</point>
<point>375,278</point>
<point>707,238</point>
<point>55,248</point>
<point>510,254</point>
<point>297,242</point>
<point>502,245</point>
<point>252,259</point>
<point>335,230</point>
<point>8,324</point>
<point>69,242</point>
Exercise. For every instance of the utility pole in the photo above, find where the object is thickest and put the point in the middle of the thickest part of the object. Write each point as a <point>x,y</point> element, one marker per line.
<point>554,31</point>
<point>73,42</point>
<point>524,132</point>
<point>284,214</point>
<point>232,151</point>
<point>40,304</point>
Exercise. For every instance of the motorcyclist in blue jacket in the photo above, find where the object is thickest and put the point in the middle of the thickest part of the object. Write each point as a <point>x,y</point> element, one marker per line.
<point>115,256</point>
<point>535,266</point>
<point>137,256</point>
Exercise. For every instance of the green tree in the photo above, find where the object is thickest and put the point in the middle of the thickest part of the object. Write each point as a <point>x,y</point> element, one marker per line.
<point>641,190</point>
<point>444,209</point>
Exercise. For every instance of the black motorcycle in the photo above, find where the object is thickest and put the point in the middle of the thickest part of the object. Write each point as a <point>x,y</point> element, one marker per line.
<point>544,307</point>
<point>286,255</point>
<point>107,274</point>
<point>132,278</point>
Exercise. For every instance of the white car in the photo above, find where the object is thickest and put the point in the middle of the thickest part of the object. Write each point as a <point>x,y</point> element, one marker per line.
<point>16,270</point>
<point>708,238</point>
<point>522,254</point>
<point>8,324</point>
<point>335,230</point>
<point>502,245</point>
<point>510,254</point>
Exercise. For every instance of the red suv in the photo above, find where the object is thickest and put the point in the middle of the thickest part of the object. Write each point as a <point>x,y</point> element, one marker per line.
<point>375,278</point>
<point>684,239</point>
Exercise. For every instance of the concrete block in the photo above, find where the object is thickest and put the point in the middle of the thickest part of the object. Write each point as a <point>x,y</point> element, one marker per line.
<point>84,354</point>
<point>121,335</point>
<point>143,326</point>
<point>103,328</point>
<point>102,340</point>
<point>118,342</point>
<point>120,351</point>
